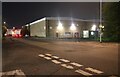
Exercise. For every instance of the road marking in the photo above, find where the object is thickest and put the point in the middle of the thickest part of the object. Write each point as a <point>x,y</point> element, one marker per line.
<point>48,54</point>
<point>19,72</point>
<point>94,70</point>
<point>67,66</point>
<point>48,58</point>
<point>83,72</point>
<point>14,72</point>
<point>41,55</point>
<point>9,73</point>
<point>0,74</point>
<point>76,64</point>
<point>55,57</point>
<point>64,60</point>
<point>56,62</point>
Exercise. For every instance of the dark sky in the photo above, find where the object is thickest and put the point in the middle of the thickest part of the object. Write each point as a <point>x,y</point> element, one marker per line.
<point>18,14</point>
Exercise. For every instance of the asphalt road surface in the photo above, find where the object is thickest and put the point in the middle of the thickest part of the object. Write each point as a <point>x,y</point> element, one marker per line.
<point>60,57</point>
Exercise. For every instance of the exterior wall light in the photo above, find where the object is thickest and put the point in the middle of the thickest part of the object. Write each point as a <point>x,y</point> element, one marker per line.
<point>50,27</point>
<point>44,27</point>
<point>27,25</point>
<point>73,27</point>
<point>92,33</point>
<point>60,26</point>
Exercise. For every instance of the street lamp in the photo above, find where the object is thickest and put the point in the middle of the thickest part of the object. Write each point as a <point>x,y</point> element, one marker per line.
<point>4,23</point>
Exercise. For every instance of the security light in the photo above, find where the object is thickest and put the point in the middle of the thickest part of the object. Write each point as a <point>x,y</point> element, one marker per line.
<point>4,22</point>
<point>102,26</point>
<point>27,25</point>
<point>92,33</point>
<point>60,26</point>
<point>73,27</point>
<point>50,27</point>
<point>44,27</point>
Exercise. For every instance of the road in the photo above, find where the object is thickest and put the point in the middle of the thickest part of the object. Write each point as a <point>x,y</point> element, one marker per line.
<point>60,57</point>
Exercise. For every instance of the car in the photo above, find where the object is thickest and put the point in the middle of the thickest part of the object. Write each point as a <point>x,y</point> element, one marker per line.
<point>17,35</point>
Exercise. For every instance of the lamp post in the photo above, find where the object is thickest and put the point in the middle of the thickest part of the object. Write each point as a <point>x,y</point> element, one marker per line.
<point>100,21</point>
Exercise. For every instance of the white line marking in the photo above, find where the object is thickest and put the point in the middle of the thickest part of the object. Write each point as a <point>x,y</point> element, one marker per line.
<point>14,72</point>
<point>0,74</point>
<point>64,60</point>
<point>9,73</point>
<point>19,72</point>
<point>41,55</point>
<point>76,64</point>
<point>48,58</point>
<point>55,57</point>
<point>94,70</point>
<point>48,54</point>
<point>67,66</point>
<point>56,62</point>
<point>83,72</point>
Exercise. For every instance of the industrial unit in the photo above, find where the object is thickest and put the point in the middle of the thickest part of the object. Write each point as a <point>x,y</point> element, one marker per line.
<point>64,27</point>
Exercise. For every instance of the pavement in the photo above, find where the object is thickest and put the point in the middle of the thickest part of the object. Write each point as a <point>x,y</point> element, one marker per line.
<point>36,57</point>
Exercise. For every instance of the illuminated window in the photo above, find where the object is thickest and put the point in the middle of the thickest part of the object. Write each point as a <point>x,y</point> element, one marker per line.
<point>93,28</point>
<point>85,34</point>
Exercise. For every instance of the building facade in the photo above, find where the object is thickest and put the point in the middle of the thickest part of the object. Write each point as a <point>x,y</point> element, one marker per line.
<point>64,27</point>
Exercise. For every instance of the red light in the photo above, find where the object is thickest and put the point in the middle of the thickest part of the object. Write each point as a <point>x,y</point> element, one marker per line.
<point>20,35</point>
<point>16,36</point>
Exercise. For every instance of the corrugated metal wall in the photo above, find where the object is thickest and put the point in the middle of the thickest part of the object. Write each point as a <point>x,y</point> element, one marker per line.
<point>38,29</point>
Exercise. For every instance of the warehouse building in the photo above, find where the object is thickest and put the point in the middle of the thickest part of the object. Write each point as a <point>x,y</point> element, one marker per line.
<point>64,27</point>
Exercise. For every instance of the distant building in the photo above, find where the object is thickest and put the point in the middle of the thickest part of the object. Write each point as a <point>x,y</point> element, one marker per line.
<point>64,27</point>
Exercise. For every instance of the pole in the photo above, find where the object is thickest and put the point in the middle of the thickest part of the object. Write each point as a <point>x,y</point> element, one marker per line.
<point>100,21</point>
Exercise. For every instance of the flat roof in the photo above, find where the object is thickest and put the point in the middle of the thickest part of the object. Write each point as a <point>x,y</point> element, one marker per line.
<point>69,18</point>
<point>63,18</point>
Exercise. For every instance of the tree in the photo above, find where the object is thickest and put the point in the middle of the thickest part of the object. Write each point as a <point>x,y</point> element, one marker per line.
<point>111,19</point>
<point>4,30</point>
<point>25,31</point>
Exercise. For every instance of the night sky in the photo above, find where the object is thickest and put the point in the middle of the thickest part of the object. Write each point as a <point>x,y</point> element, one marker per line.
<point>18,14</point>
